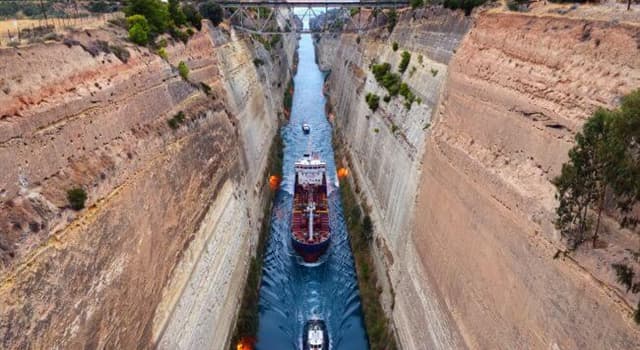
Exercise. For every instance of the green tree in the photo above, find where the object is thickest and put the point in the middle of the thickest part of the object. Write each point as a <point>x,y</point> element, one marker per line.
<point>624,176</point>
<point>192,16</point>
<point>138,29</point>
<point>155,11</point>
<point>175,12</point>
<point>605,160</point>
<point>581,183</point>
<point>212,11</point>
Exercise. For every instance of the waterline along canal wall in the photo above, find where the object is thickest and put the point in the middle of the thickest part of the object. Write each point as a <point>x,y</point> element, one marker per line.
<point>459,184</point>
<point>173,209</point>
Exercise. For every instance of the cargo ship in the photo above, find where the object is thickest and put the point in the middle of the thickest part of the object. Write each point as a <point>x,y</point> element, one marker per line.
<point>310,233</point>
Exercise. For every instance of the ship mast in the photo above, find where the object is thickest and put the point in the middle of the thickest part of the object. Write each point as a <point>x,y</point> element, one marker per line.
<point>311,206</point>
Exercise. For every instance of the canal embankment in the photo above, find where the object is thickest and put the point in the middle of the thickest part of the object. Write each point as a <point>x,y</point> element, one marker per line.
<point>455,126</point>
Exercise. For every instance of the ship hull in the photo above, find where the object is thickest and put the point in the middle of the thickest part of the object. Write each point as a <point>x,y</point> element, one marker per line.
<point>310,231</point>
<point>310,252</point>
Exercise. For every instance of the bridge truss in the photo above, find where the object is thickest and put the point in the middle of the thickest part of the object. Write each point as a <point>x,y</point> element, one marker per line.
<point>324,17</point>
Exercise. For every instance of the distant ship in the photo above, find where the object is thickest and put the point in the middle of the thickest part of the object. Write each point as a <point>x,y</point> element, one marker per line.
<point>310,233</point>
<point>315,336</point>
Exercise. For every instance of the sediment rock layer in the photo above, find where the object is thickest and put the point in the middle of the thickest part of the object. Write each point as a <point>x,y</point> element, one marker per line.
<point>160,251</point>
<point>460,185</point>
<point>517,91</point>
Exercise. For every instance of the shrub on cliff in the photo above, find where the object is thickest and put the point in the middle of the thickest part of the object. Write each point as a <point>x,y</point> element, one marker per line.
<point>177,119</point>
<point>379,70</point>
<point>373,101</point>
<point>408,95</point>
<point>76,197</point>
<point>212,11</point>
<point>404,62</point>
<point>155,11</point>
<point>139,30</point>
<point>384,77</point>
<point>183,69</point>
<point>394,46</point>
<point>162,53</point>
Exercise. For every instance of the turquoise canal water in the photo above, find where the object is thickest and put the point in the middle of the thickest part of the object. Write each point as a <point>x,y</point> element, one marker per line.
<point>292,292</point>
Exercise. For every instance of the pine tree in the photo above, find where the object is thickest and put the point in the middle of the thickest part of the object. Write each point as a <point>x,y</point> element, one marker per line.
<point>605,161</point>
<point>581,183</point>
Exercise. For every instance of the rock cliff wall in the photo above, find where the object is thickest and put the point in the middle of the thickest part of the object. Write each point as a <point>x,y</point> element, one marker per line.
<point>460,185</point>
<point>172,216</point>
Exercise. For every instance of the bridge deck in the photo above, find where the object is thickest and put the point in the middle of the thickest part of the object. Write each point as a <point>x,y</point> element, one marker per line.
<point>315,3</point>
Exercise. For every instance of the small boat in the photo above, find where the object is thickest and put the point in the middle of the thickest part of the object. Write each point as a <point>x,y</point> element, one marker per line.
<point>310,232</point>
<point>306,128</point>
<point>315,336</point>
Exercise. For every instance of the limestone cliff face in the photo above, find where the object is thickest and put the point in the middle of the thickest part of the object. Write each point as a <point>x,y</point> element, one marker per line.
<point>386,149</point>
<point>160,251</point>
<point>461,191</point>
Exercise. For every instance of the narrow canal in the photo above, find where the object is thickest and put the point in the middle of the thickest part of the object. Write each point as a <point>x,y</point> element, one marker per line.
<point>291,292</point>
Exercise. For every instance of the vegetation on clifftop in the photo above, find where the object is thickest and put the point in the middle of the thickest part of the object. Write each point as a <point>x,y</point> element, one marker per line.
<point>147,19</point>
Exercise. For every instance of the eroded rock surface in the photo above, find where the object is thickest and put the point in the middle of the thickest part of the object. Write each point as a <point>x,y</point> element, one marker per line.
<point>460,185</point>
<point>172,216</point>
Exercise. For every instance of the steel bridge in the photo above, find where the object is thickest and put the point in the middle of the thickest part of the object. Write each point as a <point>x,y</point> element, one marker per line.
<point>324,17</point>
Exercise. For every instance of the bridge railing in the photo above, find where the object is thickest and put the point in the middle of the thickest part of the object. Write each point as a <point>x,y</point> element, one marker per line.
<point>243,17</point>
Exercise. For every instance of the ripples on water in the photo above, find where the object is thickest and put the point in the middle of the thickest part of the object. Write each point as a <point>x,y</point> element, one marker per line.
<point>291,292</point>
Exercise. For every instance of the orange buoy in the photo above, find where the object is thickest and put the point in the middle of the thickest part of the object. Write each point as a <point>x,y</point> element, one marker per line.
<point>274,182</point>
<point>245,343</point>
<point>342,173</point>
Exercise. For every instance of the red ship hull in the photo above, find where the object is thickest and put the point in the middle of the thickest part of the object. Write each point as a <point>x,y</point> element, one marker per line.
<point>310,248</point>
